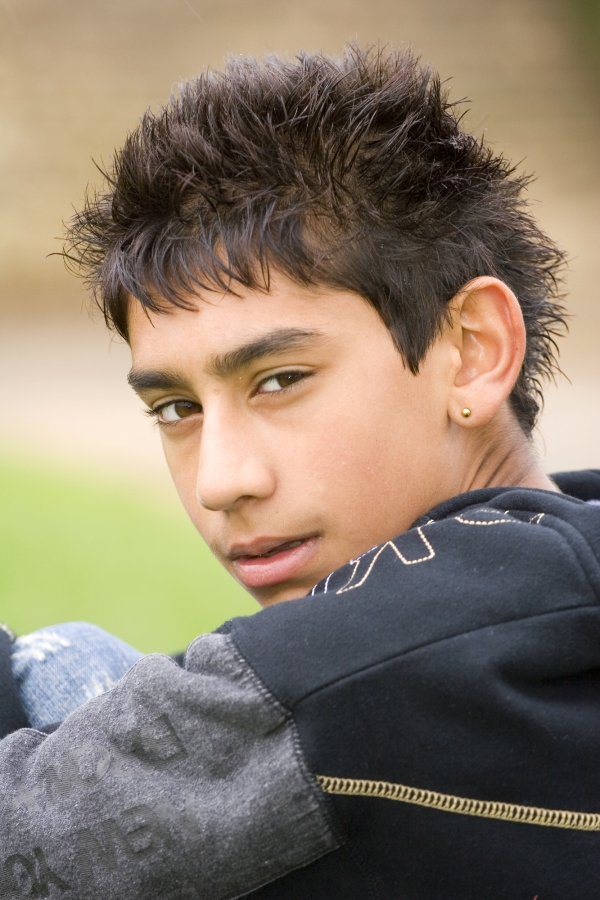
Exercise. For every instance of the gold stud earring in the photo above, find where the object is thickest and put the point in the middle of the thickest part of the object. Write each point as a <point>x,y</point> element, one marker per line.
<point>466,412</point>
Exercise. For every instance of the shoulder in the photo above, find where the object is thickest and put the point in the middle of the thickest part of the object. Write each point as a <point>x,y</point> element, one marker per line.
<point>482,560</point>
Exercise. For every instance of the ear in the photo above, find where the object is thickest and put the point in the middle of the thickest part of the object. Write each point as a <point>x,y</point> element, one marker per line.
<point>489,333</point>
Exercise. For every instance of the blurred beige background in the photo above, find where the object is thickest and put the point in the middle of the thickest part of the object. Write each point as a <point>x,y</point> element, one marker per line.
<point>76,75</point>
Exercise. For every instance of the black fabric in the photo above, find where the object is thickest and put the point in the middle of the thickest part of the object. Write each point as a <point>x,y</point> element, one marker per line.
<point>469,665</point>
<point>585,484</point>
<point>465,659</point>
<point>12,714</point>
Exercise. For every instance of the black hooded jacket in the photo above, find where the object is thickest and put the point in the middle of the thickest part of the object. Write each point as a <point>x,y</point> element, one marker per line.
<point>424,726</point>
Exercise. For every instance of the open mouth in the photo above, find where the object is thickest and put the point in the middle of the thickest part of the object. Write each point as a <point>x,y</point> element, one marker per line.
<point>288,545</point>
<point>271,562</point>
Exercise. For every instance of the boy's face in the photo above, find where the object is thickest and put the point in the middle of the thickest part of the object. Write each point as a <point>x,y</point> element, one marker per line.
<point>295,435</point>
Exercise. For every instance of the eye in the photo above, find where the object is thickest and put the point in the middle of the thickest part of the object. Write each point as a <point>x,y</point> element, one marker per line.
<point>277,383</point>
<point>175,411</point>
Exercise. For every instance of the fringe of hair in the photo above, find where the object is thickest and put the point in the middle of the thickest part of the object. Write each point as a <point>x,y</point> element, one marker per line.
<point>349,172</point>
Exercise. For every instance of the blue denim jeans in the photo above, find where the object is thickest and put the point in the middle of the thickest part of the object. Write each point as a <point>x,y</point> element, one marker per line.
<point>59,668</point>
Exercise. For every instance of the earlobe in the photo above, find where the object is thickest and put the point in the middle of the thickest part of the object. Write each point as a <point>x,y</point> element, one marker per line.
<point>489,331</point>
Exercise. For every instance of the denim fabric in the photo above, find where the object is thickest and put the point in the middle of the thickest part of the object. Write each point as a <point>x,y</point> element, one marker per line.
<point>59,668</point>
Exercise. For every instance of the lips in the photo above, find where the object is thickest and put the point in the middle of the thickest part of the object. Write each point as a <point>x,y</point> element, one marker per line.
<point>269,561</point>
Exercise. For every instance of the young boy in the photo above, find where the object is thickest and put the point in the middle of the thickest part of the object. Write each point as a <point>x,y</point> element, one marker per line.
<point>340,313</point>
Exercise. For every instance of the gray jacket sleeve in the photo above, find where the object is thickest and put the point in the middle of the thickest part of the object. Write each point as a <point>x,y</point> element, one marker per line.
<point>176,783</point>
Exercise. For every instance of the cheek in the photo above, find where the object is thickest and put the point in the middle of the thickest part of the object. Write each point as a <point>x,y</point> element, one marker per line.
<point>340,459</point>
<point>372,473</point>
<point>182,461</point>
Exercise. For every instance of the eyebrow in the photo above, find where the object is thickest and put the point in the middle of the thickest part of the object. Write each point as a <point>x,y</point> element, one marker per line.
<point>226,364</point>
<point>156,379</point>
<point>223,365</point>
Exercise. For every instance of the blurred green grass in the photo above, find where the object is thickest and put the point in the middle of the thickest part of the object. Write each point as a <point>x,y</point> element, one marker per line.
<point>74,548</point>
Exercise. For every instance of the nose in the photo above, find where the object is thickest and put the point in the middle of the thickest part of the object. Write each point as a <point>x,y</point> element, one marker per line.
<point>231,465</point>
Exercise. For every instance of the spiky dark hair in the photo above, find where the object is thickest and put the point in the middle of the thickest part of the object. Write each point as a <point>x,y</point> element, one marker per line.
<point>348,172</point>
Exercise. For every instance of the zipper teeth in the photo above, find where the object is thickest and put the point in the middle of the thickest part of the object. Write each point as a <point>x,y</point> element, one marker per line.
<point>486,809</point>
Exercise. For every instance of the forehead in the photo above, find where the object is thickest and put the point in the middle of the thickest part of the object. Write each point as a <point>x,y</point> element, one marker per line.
<point>220,322</point>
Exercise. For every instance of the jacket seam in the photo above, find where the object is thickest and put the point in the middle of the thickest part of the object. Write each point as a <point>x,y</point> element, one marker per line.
<point>315,788</point>
<point>309,779</point>
<point>248,671</point>
<point>425,645</point>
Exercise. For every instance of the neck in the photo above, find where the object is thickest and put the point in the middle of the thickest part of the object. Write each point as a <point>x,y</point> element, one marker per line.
<point>505,457</point>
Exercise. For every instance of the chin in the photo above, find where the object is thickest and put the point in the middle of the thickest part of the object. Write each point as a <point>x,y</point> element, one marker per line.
<point>271,596</point>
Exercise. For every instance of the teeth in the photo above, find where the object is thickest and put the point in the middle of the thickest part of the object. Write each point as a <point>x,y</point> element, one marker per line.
<point>282,547</point>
